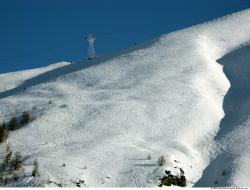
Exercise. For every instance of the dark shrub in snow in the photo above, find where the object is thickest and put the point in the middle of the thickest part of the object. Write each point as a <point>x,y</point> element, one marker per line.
<point>13,123</point>
<point>3,133</point>
<point>25,118</point>
<point>170,179</point>
<point>149,157</point>
<point>35,169</point>
<point>161,161</point>
<point>224,172</point>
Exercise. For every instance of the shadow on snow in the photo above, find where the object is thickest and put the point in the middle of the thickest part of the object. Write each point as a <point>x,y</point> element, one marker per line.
<point>236,107</point>
<point>53,74</point>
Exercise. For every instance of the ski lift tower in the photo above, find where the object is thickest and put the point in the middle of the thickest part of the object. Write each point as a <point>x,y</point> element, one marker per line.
<point>91,51</point>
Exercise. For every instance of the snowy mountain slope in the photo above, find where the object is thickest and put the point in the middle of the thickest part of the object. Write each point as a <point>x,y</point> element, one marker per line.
<point>104,120</point>
<point>233,137</point>
<point>14,79</point>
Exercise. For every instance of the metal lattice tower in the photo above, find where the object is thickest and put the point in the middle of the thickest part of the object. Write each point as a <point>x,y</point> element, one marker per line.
<point>91,51</point>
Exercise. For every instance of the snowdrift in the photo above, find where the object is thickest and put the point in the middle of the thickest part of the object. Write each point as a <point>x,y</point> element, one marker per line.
<point>230,167</point>
<point>99,120</point>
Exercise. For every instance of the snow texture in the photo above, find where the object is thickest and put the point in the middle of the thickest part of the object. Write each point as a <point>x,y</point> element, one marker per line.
<point>164,97</point>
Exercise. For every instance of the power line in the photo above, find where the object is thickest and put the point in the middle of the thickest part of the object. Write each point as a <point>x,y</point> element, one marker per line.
<point>103,34</point>
<point>66,44</point>
<point>42,50</point>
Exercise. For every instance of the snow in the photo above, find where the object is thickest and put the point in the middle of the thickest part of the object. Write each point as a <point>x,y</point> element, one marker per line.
<point>13,79</point>
<point>108,114</point>
<point>233,137</point>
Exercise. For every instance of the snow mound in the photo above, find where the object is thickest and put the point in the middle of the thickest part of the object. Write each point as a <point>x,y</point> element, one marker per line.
<point>102,118</point>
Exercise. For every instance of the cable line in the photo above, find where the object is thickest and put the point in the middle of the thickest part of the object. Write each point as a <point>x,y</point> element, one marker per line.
<point>41,50</point>
<point>110,33</point>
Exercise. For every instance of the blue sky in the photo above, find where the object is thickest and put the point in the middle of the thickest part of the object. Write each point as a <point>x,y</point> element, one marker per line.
<point>29,26</point>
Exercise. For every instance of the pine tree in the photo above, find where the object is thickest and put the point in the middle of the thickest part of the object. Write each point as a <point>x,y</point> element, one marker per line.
<point>7,160</point>
<point>17,161</point>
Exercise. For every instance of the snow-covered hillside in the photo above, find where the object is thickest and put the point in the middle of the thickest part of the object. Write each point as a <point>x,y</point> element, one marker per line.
<point>14,79</point>
<point>99,120</point>
<point>233,137</point>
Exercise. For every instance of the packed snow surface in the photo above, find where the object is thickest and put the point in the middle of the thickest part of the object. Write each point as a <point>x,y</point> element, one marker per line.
<point>99,120</point>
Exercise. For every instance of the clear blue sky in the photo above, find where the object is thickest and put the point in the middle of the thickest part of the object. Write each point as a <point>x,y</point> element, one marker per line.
<point>34,25</point>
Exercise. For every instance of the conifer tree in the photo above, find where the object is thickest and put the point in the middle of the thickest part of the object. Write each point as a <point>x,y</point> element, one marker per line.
<point>7,160</point>
<point>17,161</point>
